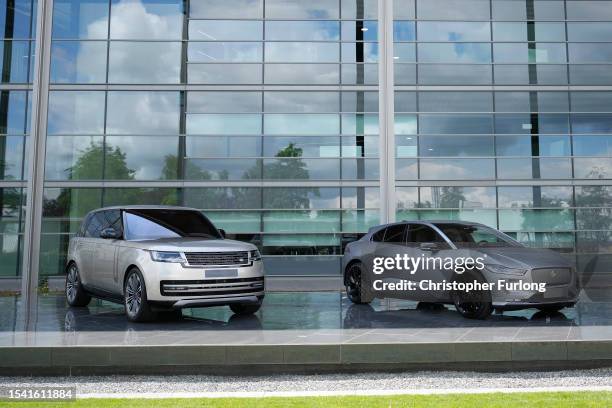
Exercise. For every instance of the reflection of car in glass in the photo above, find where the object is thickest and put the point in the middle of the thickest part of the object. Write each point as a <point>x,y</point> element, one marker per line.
<point>155,258</point>
<point>504,260</point>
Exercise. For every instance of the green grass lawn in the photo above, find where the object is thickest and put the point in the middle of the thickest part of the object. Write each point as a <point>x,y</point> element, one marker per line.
<point>546,399</point>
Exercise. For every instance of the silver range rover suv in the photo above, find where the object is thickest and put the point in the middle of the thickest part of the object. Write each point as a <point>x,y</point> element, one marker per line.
<point>155,258</point>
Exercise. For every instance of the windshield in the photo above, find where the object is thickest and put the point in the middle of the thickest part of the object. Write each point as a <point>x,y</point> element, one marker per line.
<point>469,236</point>
<point>148,224</point>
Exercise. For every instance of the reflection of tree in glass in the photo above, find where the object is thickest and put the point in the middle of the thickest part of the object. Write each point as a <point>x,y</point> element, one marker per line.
<point>596,221</point>
<point>445,197</point>
<point>554,216</point>
<point>92,159</point>
<point>288,165</point>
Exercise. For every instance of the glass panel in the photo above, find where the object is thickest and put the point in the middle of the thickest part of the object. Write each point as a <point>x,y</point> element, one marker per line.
<point>453,9</point>
<point>215,52</point>
<point>223,124</point>
<point>457,197</point>
<point>212,9</point>
<point>236,221</point>
<point>535,197</point>
<point>590,74</point>
<point>144,63</point>
<point>406,197</point>
<point>359,74</point>
<point>74,158</point>
<point>403,9</point>
<point>13,111</point>
<point>301,198</point>
<point>455,102</point>
<point>588,10</point>
<point>80,19</point>
<point>76,112</point>
<point>591,123</point>
<point>301,52</point>
<point>221,198</point>
<point>531,53</point>
<point>454,31</point>
<point>146,19</point>
<point>78,62</point>
<point>305,124</point>
<point>589,31</point>
<point>223,102</point>
<point>581,53</point>
<point>431,74</point>
<point>359,221</point>
<point>302,74</point>
<point>461,124</point>
<point>456,146</point>
<point>360,197</point>
<point>142,112</point>
<point>599,145</point>
<point>530,74</point>
<point>302,102</point>
<point>12,159</point>
<point>16,61</point>
<point>403,31</point>
<point>297,9</point>
<point>301,221</point>
<point>310,146</point>
<point>222,146</point>
<point>457,169</point>
<point>233,74</point>
<point>592,168</point>
<point>296,168</point>
<point>225,30</point>
<point>536,220</point>
<point>222,169</point>
<point>136,158</point>
<point>591,101</point>
<point>455,53</point>
<point>305,31</point>
<point>359,9</point>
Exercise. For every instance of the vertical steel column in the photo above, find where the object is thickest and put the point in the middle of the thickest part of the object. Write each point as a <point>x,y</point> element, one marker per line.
<point>36,160</point>
<point>386,111</point>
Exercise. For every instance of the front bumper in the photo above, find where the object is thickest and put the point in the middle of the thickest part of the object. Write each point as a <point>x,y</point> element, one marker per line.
<point>169,283</point>
<point>558,292</point>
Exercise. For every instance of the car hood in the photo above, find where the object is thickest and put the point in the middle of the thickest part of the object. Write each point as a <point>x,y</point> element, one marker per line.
<point>523,257</point>
<point>193,245</point>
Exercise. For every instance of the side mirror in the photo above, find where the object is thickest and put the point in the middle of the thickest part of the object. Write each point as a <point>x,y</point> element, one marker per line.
<point>429,246</point>
<point>110,233</point>
<point>222,232</point>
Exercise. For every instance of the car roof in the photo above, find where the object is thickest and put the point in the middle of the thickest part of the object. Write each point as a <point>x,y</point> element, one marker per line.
<point>145,207</point>
<point>424,222</point>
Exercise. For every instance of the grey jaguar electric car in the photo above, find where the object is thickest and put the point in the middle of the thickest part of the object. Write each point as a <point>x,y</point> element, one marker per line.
<point>155,258</point>
<point>514,273</point>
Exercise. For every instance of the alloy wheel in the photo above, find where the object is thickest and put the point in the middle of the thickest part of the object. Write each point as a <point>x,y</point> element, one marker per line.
<point>133,298</point>
<point>72,283</point>
<point>353,284</point>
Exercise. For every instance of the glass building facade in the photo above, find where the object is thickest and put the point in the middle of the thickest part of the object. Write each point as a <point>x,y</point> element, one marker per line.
<point>297,125</point>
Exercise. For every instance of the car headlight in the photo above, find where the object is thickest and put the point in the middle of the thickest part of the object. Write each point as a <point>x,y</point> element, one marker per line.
<point>255,255</point>
<point>162,256</point>
<point>504,270</point>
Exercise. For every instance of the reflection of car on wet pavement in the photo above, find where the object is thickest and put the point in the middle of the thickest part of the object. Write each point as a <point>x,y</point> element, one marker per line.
<point>504,259</point>
<point>156,258</point>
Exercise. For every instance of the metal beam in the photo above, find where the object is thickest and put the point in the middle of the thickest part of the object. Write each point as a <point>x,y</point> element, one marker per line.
<point>36,161</point>
<point>386,111</point>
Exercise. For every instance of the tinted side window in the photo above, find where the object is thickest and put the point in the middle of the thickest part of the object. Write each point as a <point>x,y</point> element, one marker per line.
<point>422,233</point>
<point>395,234</point>
<point>83,227</point>
<point>113,220</point>
<point>379,235</point>
<point>96,224</point>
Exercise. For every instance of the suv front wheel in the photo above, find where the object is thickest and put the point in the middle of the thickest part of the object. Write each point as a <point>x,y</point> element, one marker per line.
<point>137,307</point>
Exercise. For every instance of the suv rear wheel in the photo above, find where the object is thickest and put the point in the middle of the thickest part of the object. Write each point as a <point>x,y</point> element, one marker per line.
<point>75,294</point>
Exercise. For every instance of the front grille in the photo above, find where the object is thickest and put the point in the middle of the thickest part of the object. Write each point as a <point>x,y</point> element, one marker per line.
<point>552,276</point>
<point>217,258</point>
<point>212,287</point>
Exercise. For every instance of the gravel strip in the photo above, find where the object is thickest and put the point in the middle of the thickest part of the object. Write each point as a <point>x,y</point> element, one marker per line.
<point>323,382</point>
